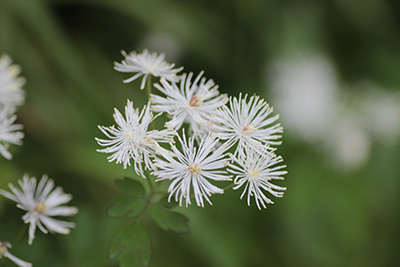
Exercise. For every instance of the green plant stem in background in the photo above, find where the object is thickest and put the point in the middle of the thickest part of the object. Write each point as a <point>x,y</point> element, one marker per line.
<point>148,89</point>
<point>152,187</point>
<point>148,86</point>
<point>18,237</point>
<point>229,186</point>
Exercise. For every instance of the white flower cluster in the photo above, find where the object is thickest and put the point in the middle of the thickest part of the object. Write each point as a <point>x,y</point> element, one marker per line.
<point>11,96</point>
<point>228,138</point>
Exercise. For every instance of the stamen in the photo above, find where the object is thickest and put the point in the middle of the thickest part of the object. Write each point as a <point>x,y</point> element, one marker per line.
<point>3,248</point>
<point>195,101</point>
<point>194,169</point>
<point>248,129</point>
<point>40,207</point>
<point>254,173</point>
<point>147,139</point>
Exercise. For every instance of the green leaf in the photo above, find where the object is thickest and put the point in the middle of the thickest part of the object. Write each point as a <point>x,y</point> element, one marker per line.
<point>126,206</point>
<point>133,244</point>
<point>130,187</point>
<point>170,220</point>
<point>168,204</point>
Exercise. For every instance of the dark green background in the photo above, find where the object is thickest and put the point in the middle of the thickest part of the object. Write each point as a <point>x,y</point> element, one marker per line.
<point>67,49</point>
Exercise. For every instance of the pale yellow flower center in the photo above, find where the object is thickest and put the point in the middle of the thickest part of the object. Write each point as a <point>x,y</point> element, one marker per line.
<point>3,248</point>
<point>255,173</point>
<point>147,139</point>
<point>151,66</point>
<point>248,129</point>
<point>40,207</point>
<point>195,101</point>
<point>194,169</point>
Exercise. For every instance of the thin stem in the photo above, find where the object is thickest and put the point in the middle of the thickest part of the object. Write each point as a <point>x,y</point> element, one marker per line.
<point>18,237</point>
<point>148,86</point>
<point>148,89</point>
<point>229,186</point>
<point>152,187</point>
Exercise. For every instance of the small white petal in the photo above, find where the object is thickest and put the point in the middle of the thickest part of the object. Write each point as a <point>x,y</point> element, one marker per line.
<point>18,261</point>
<point>247,123</point>
<point>193,168</point>
<point>41,203</point>
<point>131,140</point>
<point>147,64</point>
<point>255,169</point>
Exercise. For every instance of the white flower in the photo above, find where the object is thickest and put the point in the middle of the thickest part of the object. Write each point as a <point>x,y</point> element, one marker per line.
<point>11,93</point>
<point>4,252</point>
<point>146,64</point>
<point>41,204</point>
<point>247,123</point>
<point>255,169</point>
<point>194,167</point>
<point>9,133</point>
<point>132,140</point>
<point>192,103</point>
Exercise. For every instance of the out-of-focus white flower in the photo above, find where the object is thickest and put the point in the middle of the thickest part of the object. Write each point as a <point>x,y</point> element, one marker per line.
<point>247,123</point>
<point>192,103</point>
<point>40,204</point>
<point>11,93</point>
<point>349,144</point>
<point>132,140</point>
<point>147,64</point>
<point>9,132</point>
<point>304,89</point>
<point>4,252</point>
<point>254,170</point>
<point>194,167</point>
<point>380,111</point>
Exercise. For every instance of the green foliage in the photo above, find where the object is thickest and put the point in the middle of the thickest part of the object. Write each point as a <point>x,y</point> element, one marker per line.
<point>132,244</point>
<point>130,187</point>
<point>131,205</point>
<point>126,206</point>
<point>169,220</point>
<point>66,49</point>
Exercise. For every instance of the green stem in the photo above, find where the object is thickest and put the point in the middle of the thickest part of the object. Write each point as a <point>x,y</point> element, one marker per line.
<point>148,86</point>
<point>229,186</point>
<point>152,187</point>
<point>148,89</point>
<point>18,237</point>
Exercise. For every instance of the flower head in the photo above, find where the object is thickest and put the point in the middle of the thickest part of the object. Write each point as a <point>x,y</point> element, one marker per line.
<point>192,103</point>
<point>194,167</point>
<point>9,132</point>
<point>132,140</point>
<point>255,170</point>
<point>40,204</point>
<point>11,93</point>
<point>4,252</point>
<point>247,123</point>
<point>147,64</point>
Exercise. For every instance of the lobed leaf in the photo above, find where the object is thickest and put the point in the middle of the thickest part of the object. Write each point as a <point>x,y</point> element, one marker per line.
<point>123,206</point>
<point>130,187</point>
<point>169,220</point>
<point>133,245</point>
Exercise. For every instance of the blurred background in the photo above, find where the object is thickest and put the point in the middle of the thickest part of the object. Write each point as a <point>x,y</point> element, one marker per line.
<point>331,69</point>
